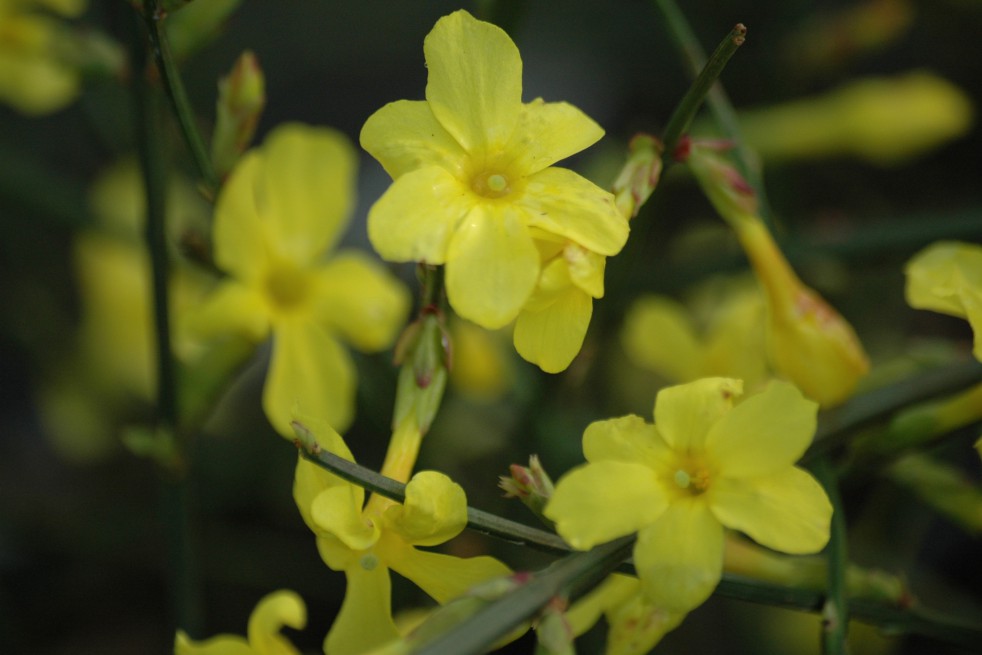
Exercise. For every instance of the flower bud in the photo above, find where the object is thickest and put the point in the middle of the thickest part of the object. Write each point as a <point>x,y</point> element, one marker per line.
<point>730,194</point>
<point>531,485</point>
<point>241,98</point>
<point>810,343</point>
<point>640,175</point>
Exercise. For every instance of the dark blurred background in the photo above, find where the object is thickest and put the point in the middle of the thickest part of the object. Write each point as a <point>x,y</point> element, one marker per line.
<point>82,565</point>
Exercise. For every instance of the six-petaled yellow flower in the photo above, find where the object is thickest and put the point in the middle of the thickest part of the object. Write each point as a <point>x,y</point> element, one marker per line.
<point>474,182</point>
<point>705,465</point>
<point>367,540</point>
<point>278,609</point>
<point>282,208</point>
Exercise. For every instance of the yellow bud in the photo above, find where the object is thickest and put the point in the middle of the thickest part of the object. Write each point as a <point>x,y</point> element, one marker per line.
<point>810,343</point>
<point>241,98</point>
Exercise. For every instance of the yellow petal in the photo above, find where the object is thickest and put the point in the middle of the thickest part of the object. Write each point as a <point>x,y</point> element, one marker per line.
<point>415,218</point>
<point>684,413</point>
<point>559,201</point>
<point>239,232</point>
<point>358,299</point>
<point>586,269</point>
<point>551,337</point>
<point>548,132</point>
<point>624,439</point>
<point>786,511</point>
<point>435,510</point>
<point>307,189</point>
<point>474,84</point>
<point>231,308</point>
<point>310,480</point>
<point>679,558</point>
<point>365,620</point>
<point>337,511</point>
<point>763,434</point>
<point>972,299</point>
<point>637,625</point>
<point>405,135</point>
<point>278,609</point>
<point>445,577</point>
<point>220,645</point>
<point>601,501</point>
<point>492,266</point>
<point>939,275</point>
<point>308,372</point>
<point>658,336</point>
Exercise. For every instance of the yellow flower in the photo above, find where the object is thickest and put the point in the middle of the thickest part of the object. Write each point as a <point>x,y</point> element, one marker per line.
<point>35,77</point>
<point>704,465</point>
<point>282,208</point>
<point>551,326</point>
<point>278,609</point>
<point>946,277</point>
<point>473,174</point>
<point>365,541</point>
<point>660,335</point>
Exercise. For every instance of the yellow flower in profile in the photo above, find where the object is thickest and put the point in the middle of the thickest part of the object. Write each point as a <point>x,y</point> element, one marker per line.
<point>35,77</point>
<point>473,176</point>
<point>278,609</point>
<point>367,540</point>
<point>946,277</point>
<point>705,465</point>
<point>283,207</point>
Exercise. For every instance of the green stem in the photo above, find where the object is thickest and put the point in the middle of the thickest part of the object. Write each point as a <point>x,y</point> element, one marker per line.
<point>836,426</point>
<point>183,577</point>
<point>171,78</point>
<point>835,612</point>
<point>706,78</point>
<point>719,103</point>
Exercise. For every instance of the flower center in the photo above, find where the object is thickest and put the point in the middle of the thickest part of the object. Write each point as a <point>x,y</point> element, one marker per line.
<point>695,479</point>
<point>491,184</point>
<point>368,561</point>
<point>287,287</point>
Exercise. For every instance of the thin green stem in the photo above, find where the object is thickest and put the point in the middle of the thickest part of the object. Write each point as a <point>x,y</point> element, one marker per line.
<point>171,78</point>
<point>719,103</point>
<point>835,612</point>
<point>706,78</point>
<point>185,600</point>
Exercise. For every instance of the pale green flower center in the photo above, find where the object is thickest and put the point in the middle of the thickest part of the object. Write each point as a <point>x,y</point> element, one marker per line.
<point>694,479</point>
<point>491,184</point>
<point>368,561</point>
<point>287,287</point>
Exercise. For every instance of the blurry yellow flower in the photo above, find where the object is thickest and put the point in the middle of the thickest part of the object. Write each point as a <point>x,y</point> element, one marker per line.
<point>946,277</point>
<point>882,120</point>
<point>35,77</point>
<point>482,366</point>
<point>661,335</point>
<point>704,465</point>
<point>278,609</point>
<point>551,326</point>
<point>283,207</point>
<point>365,541</point>
<point>473,174</point>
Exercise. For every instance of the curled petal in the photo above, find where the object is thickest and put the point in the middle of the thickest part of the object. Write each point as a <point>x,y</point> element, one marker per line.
<point>765,433</point>
<point>435,510</point>
<point>684,413</point>
<point>309,371</point>
<point>938,276</point>
<point>278,609</point>
<point>415,218</point>
<point>679,557</point>
<point>492,266</point>
<point>359,300</point>
<point>337,511</point>
<point>601,501</point>
<point>405,135</point>
<point>559,201</point>
<point>365,620</point>
<point>786,511</point>
<point>444,577</point>
<point>474,84</point>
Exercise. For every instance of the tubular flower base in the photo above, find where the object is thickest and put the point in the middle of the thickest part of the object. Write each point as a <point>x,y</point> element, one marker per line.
<point>365,541</point>
<point>278,609</point>
<point>705,465</point>
<point>474,186</point>
<point>282,208</point>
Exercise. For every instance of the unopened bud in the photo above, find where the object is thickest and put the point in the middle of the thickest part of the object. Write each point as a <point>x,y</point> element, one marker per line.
<point>640,175</point>
<point>423,350</point>
<point>553,634</point>
<point>241,98</point>
<point>725,187</point>
<point>531,485</point>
